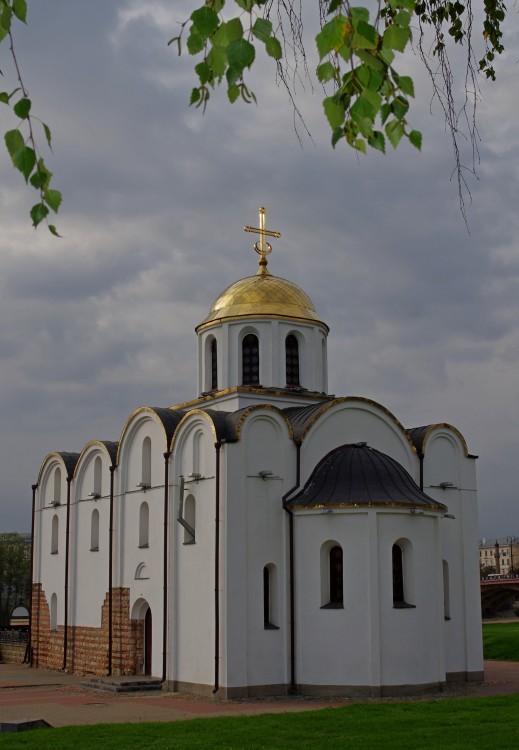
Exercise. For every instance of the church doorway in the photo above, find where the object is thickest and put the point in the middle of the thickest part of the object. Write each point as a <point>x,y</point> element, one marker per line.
<point>147,642</point>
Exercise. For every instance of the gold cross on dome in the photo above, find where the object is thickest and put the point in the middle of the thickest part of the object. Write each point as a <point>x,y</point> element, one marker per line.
<point>262,247</point>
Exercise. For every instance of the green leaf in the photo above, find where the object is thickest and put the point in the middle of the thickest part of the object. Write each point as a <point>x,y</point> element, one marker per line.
<point>396,37</point>
<point>195,96</point>
<point>403,18</point>
<point>53,199</point>
<point>360,145</point>
<point>217,60</point>
<point>377,140</point>
<point>416,139</point>
<point>24,160</point>
<point>205,20</point>
<point>233,92</point>
<point>22,108</point>
<point>365,36</point>
<point>405,83</point>
<point>363,108</point>
<point>195,42</point>
<point>338,133</point>
<point>262,29</point>
<point>38,213</point>
<point>4,97</point>
<point>5,17</point>
<point>400,107</point>
<point>245,4</point>
<point>273,48</point>
<point>394,132</point>
<point>14,142</point>
<point>334,111</point>
<point>359,14</point>
<point>240,54</point>
<point>20,9</point>
<point>53,230</point>
<point>48,134</point>
<point>203,72</point>
<point>370,59</point>
<point>326,72</point>
<point>40,178</point>
<point>233,30</point>
<point>331,37</point>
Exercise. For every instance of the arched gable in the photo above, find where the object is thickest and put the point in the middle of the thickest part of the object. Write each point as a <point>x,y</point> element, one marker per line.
<point>65,463</point>
<point>352,420</point>
<point>265,434</point>
<point>86,482</point>
<point>146,422</point>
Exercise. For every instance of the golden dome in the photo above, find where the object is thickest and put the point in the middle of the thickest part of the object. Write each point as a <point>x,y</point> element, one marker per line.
<point>262,296</point>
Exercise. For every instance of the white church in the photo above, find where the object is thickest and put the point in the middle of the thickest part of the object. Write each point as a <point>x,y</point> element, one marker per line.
<point>266,537</point>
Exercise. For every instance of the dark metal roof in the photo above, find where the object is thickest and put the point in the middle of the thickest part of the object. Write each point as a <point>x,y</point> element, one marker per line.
<point>111,446</point>
<point>169,418</point>
<point>70,461</point>
<point>300,417</point>
<point>357,475</point>
<point>417,435</point>
<point>224,424</point>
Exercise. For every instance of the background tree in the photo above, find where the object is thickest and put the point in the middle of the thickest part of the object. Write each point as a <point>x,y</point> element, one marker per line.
<point>15,574</point>
<point>486,570</point>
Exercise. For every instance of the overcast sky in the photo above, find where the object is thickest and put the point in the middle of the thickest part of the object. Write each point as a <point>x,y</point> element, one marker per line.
<point>424,316</point>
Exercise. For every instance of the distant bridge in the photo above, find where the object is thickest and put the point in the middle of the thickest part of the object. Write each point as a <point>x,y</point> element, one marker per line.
<point>497,592</point>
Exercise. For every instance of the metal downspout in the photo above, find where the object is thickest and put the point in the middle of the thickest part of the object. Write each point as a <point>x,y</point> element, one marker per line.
<point>110,571</point>
<point>217,446</point>
<point>167,455</point>
<point>28,655</point>
<point>67,552</point>
<point>292,597</point>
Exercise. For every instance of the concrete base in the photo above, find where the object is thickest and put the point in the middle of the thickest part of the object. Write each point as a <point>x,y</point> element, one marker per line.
<point>23,725</point>
<point>465,676</point>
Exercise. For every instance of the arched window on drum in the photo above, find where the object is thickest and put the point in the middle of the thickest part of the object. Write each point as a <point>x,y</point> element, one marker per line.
<point>250,360</point>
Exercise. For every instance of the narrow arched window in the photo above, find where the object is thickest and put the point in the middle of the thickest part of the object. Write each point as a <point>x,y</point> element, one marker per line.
<point>144,525</point>
<point>54,612</point>
<point>292,360</point>
<point>214,365</point>
<point>336,595</point>
<point>94,531</point>
<point>98,476</point>
<point>250,360</point>
<point>54,536</point>
<point>269,597</point>
<point>56,499</point>
<point>398,575</point>
<point>146,462</point>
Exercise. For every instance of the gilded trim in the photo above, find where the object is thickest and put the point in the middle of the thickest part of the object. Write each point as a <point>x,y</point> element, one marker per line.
<point>257,407</point>
<point>364,400</point>
<point>445,426</point>
<point>261,316</point>
<point>140,410</point>
<point>199,412</point>
<point>92,443</point>
<point>278,392</point>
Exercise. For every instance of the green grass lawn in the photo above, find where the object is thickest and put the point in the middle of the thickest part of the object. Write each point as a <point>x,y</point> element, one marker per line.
<point>454,723</point>
<point>501,641</point>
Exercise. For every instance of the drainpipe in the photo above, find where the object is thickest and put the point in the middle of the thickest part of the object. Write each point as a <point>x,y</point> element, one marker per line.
<point>292,596</point>
<point>217,446</point>
<point>167,455</point>
<point>67,550</point>
<point>421,458</point>
<point>28,655</point>
<point>110,571</point>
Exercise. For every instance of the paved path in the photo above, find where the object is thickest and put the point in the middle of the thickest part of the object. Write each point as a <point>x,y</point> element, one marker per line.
<point>60,699</point>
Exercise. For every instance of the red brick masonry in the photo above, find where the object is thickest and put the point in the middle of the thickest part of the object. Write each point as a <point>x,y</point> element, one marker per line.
<point>87,647</point>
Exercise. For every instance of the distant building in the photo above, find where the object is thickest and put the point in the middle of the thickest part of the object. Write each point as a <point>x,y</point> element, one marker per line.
<point>502,554</point>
